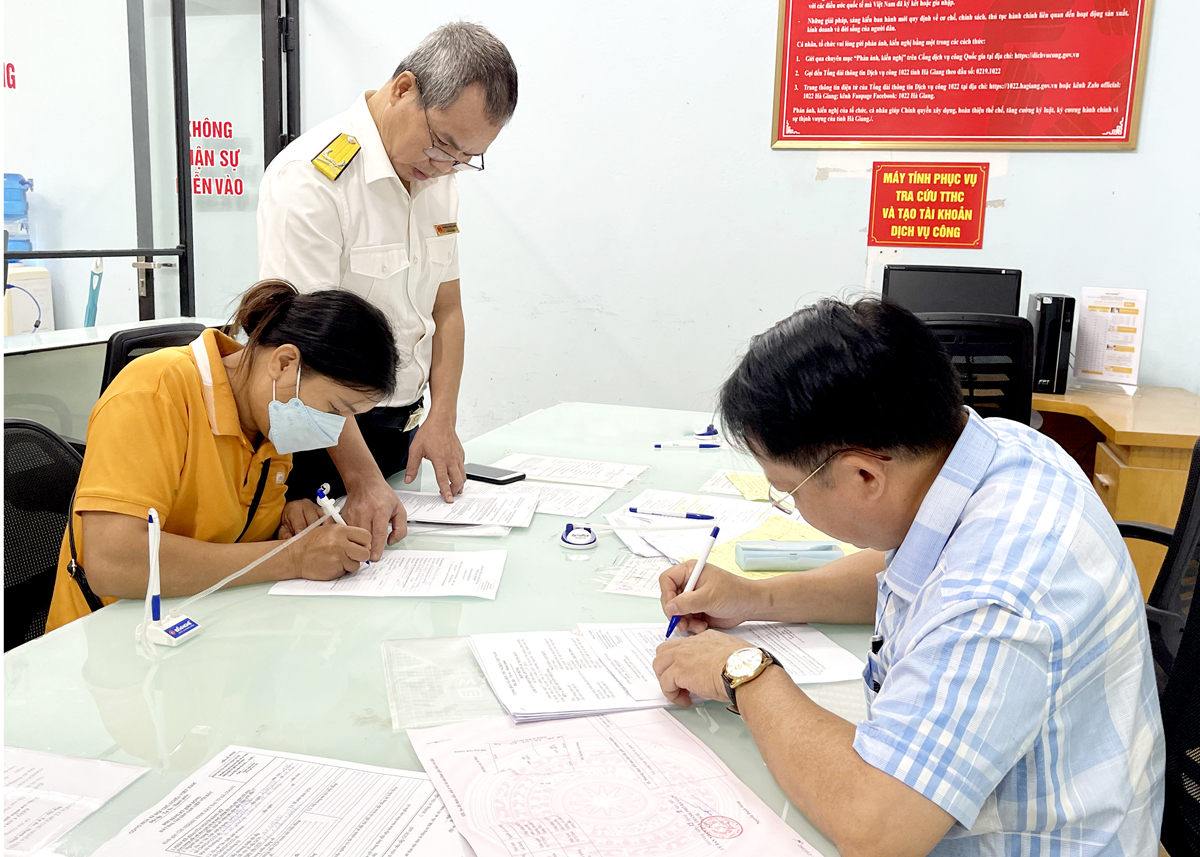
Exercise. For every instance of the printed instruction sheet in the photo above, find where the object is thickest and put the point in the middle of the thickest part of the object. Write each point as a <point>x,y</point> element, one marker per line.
<point>491,509</point>
<point>1111,324</point>
<point>248,801</point>
<point>808,656</point>
<point>607,786</point>
<point>45,795</point>
<point>575,471</point>
<point>412,574</point>
<point>544,675</point>
<point>571,501</point>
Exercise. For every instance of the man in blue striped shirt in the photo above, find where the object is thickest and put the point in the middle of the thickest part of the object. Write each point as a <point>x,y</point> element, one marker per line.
<point>1012,706</point>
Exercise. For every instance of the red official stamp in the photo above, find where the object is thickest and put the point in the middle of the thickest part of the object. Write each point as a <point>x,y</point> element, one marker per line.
<point>720,827</point>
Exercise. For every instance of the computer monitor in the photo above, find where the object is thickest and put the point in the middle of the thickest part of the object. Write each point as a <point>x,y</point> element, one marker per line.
<point>938,289</point>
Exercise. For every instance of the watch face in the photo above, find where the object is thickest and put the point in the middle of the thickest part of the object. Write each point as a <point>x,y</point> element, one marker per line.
<point>743,663</point>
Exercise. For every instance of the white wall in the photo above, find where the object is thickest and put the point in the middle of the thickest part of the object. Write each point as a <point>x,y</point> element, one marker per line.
<point>67,126</point>
<point>633,227</point>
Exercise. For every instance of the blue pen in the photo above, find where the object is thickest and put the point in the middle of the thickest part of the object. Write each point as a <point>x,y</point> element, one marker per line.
<point>153,582</point>
<point>695,577</point>
<point>691,516</point>
<point>686,444</point>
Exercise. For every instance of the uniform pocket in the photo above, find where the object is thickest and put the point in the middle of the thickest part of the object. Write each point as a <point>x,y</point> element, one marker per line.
<point>368,265</point>
<point>379,262</point>
<point>441,250</point>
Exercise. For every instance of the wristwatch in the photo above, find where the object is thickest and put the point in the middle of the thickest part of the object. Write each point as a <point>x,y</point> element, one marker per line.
<point>742,666</point>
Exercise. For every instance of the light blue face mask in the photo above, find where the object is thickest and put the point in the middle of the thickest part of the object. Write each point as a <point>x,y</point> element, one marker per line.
<point>295,427</point>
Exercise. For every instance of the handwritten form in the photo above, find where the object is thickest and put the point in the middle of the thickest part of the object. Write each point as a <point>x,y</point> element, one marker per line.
<point>572,501</point>
<point>46,795</point>
<point>607,786</point>
<point>510,511</point>
<point>808,656</point>
<point>412,574</point>
<point>248,801</point>
<point>574,471</point>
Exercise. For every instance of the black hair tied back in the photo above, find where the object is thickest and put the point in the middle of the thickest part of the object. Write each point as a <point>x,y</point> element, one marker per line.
<point>339,334</point>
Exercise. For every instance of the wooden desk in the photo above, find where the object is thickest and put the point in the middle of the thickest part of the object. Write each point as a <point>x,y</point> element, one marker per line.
<point>1141,465</point>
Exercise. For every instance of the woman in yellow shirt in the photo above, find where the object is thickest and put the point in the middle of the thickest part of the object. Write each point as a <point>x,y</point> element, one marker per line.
<point>204,434</point>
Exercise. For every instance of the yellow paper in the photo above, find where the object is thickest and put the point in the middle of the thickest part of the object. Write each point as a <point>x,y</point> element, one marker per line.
<point>774,529</point>
<point>753,486</point>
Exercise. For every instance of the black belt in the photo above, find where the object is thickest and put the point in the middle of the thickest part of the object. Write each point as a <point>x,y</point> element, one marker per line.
<point>397,418</point>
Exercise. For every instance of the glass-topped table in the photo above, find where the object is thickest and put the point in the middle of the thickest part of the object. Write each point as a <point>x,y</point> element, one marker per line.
<point>306,675</point>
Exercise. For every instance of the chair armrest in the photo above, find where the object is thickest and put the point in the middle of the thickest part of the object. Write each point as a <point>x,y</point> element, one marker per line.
<point>78,445</point>
<point>1146,532</point>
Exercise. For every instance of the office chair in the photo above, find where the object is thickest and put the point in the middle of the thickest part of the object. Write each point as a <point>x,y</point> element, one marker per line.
<point>40,473</point>
<point>994,358</point>
<point>1168,606</point>
<point>125,345</point>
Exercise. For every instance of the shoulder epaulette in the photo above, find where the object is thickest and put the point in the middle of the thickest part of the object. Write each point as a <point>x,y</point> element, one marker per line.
<point>335,157</point>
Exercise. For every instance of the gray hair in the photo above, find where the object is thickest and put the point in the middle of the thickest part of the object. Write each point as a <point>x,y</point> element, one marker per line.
<point>453,57</point>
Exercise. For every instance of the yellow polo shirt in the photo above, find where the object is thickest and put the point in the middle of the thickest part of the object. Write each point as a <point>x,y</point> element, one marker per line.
<point>166,435</point>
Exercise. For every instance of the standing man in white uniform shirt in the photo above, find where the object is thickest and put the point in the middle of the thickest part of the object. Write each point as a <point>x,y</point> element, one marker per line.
<point>367,201</point>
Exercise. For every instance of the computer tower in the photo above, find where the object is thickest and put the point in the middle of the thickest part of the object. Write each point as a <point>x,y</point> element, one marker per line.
<point>1052,317</point>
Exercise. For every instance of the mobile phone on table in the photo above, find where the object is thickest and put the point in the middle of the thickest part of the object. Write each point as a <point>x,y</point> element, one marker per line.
<point>493,475</point>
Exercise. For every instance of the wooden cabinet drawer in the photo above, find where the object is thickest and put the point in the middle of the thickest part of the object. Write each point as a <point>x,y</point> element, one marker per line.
<point>1150,494</point>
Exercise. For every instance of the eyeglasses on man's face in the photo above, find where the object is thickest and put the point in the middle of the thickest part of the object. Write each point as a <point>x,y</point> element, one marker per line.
<point>786,503</point>
<point>435,152</point>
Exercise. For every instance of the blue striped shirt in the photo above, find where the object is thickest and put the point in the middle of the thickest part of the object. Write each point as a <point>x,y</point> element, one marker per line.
<point>1014,685</point>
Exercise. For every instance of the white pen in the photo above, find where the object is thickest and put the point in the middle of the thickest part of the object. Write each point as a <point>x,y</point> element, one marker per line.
<point>326,503</point>
<point>686,444</point>
<point>695,576</point>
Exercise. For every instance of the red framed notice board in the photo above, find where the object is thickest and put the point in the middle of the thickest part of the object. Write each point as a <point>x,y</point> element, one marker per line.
<point>960,74</point>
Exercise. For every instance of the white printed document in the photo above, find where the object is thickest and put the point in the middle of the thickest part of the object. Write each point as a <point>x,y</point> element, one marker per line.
<point>248,801</point>
<point>493,509</point>
<point>637,575</point>
<point>45,795</point>
<point>637,783</point>
<point>808,656</point>
<point>412,574</point>
<point>575,471</point>
<point>572,501</point>
<point>1111,323</point>
<point>545,675</point>
<point>458,531</point>
<point>719,483</point>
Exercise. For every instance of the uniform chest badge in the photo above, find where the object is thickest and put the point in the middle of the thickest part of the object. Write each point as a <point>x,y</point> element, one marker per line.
<point>335,157</point>
<point>446,228</point>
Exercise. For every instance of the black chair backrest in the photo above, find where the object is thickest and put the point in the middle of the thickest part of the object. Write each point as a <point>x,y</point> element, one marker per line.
<point>994,358</point>
<point>1181,723</point>
<point>1168,606</point>
<point>40,473</point>
<point>125,345</point>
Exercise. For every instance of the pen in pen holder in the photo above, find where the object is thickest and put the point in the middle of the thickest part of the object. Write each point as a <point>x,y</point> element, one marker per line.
<point>155,630</point>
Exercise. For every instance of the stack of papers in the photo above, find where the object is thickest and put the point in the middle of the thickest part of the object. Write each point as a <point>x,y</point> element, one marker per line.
<point>412,574</point>
<point>46,795</point>
<point>633,783</point>
<point>513,510</point>
<point>574,471</point>
<point>602,668</point>
<point>248,801</point>
<point>572,501</point>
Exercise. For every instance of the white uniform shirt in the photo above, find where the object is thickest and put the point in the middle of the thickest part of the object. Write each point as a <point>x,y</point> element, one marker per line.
<point>363,232</point>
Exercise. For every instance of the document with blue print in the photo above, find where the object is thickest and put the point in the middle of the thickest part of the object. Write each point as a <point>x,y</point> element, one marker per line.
<point>412,574</point>
<point>635,783</point>
<point>248,801</point>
